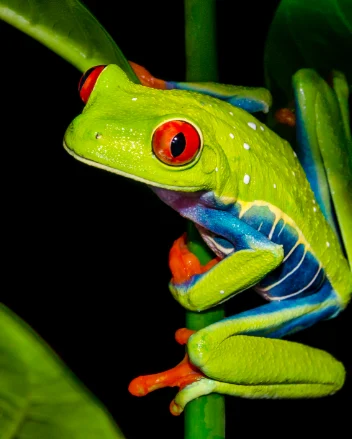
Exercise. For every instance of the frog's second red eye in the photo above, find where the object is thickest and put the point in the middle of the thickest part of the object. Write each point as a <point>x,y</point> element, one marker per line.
<point>87,82</point>
<point>176,142</point>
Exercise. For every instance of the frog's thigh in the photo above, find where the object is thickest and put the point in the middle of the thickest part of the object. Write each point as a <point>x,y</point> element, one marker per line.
<point>265,365</point>
<point>254,367</point>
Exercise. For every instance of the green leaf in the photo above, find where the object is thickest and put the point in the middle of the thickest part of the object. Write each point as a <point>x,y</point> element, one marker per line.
<point>39,397</point>
<point>322,108</point>
<point>307,34</point>
<point>67,28</point>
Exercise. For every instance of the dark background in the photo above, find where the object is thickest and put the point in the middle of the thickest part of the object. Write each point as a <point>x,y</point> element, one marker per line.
<point>85,252</point>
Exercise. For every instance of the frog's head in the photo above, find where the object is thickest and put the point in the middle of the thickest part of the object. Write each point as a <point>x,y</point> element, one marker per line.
<point>164,138</point>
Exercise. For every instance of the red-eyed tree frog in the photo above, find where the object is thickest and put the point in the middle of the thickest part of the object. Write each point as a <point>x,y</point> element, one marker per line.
<point>267,217</point>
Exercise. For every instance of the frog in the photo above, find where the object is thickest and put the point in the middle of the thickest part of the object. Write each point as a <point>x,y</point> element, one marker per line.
<point>266,215</point>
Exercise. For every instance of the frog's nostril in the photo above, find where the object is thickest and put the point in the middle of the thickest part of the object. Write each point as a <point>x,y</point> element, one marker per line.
<point>98,136</point>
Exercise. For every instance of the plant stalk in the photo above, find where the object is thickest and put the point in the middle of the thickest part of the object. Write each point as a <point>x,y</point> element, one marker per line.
<point>204,416</point>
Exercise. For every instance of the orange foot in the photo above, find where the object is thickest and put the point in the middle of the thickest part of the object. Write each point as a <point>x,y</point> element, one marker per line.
<point>286,116</point>
<point>181,375</point>
<point>184,264</point>
<point>146,78</point>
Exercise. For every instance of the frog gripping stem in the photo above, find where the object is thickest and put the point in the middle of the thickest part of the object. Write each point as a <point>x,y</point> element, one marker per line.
<point>185,264</point>
<point>183,374</point>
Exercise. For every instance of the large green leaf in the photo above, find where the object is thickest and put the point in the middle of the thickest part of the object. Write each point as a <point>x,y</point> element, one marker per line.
<point>67,28</point>
<point>317,34</point>
<point>308,33</point>
<point>39,397</point>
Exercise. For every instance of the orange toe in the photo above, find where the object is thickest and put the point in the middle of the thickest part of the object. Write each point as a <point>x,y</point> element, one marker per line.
<point>286,116</point>
<point>184,264</point>
<point>182,335</point>
<point>146,78</point>
<point>181,375</point>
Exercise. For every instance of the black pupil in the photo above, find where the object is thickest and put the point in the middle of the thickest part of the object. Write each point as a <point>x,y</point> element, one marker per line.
<point>178,144</point>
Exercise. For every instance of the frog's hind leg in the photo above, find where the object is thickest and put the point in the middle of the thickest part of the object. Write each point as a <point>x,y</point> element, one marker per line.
<point>251,99</point>
<point>243,356</point>
<point>267,369</point>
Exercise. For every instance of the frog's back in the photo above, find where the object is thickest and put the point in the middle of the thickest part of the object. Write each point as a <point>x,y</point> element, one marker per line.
<point>275,197</point>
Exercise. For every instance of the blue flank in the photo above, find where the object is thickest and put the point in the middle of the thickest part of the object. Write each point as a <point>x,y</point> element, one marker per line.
<point>307,273</point>
<point>286,236</point>
<point>300,268</point>
<point>248,104</point>
<point>260,218</point>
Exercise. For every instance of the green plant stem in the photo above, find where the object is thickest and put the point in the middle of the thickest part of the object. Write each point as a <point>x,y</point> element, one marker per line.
<point>205,416</point>
<point>200,39</point>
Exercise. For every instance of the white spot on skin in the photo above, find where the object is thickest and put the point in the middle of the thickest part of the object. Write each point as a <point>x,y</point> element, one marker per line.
<point>134,99</point>
<point>294,154</point>
<point>262,128</point>
<point>222,292</point>
<point>98,136</point>
<point>293,173</point>
<point>216,169</point>
<point>246,146</point>
<point>327,244</point>
<point>246,178</point>
<point>313,201</point>
<point>232,136</point>
<point>252,125</point>
<point>230,112</point>
<point>315,209</point>
<point>274,186</point>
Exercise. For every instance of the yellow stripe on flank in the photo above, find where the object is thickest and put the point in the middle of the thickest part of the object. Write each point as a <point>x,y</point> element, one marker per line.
<point>279,215</point>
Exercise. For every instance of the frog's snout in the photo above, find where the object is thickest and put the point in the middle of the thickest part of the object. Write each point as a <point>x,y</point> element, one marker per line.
<point>80,137</point>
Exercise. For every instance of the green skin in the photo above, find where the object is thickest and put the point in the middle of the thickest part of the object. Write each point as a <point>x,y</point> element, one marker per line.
<point>114,133</point>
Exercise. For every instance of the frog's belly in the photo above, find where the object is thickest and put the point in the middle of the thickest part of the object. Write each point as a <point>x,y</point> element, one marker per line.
<point>300,273</point>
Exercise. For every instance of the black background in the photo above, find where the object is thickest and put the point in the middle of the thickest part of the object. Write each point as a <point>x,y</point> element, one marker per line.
<point>85,252</point>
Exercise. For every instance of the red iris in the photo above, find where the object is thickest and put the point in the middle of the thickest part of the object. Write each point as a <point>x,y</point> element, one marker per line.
<point>87,82</point>
<point>176,142</point>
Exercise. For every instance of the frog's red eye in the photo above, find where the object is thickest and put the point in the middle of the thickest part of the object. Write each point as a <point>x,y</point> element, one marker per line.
<point>176,142</point>
<point>87,82</point>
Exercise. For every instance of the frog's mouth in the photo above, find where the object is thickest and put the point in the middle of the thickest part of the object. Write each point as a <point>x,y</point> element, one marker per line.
<point>98,165</point>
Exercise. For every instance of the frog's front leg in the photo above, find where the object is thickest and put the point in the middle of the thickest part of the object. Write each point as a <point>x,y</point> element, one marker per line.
<point>252,257</point>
